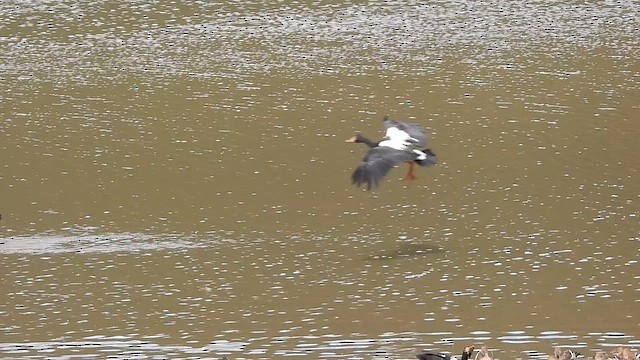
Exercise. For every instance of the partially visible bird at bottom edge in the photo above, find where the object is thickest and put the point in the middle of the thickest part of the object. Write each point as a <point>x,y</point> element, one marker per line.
<point>428,355</point>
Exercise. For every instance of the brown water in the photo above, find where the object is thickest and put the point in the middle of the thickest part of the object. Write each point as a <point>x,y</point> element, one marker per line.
<point>174,181</point>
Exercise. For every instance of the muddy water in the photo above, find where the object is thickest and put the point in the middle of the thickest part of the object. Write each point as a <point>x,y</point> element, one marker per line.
<point>175,182</point>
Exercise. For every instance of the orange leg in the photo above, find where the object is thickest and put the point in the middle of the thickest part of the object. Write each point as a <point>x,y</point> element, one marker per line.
<point>410,175</point>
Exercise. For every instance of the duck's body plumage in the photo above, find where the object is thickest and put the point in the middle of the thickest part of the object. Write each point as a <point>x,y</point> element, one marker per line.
<point>433,356</point>
<point>411,133</point>
<point>563,354</point>
<point>624,353</point>
<point>484,354</point>
<point>402,143</point>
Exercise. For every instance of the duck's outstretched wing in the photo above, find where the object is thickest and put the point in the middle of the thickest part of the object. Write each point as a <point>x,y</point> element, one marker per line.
<point>415,132</point>
<point>377,164</point>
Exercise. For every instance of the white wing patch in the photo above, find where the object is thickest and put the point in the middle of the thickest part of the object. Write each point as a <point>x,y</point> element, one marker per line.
<point>421,155</point>
<point>397,139</point>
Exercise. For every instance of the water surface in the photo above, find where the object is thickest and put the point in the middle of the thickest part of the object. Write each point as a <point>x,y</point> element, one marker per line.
<point>175,182</point>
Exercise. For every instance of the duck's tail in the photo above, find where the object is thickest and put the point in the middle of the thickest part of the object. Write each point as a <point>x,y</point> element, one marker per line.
<point>430,160</point>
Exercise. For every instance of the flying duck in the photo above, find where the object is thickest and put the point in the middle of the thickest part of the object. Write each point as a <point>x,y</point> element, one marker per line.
<point>402,143</point>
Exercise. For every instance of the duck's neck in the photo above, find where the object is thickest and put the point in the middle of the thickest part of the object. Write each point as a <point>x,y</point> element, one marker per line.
<point>369,143</point>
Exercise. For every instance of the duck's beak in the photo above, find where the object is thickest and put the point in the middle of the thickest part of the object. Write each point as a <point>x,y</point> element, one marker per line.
<point>352,139</point>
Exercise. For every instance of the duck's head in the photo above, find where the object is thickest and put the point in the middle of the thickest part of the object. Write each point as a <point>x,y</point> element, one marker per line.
<point>466,353</point>
<point>356,138</point>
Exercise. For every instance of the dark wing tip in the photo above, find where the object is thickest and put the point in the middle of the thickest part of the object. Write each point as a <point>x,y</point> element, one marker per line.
<point>366,175</point>
<point>377,164</point>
